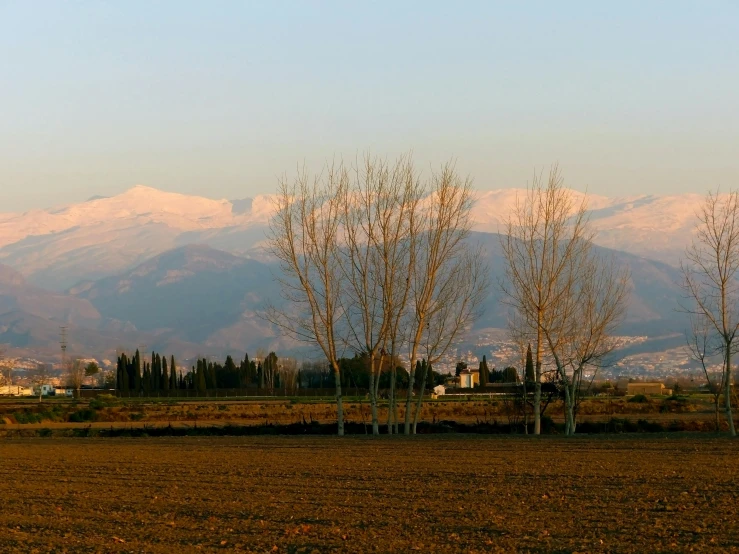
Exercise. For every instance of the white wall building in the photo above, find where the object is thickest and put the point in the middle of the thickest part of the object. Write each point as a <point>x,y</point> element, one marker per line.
<point>15,390</point>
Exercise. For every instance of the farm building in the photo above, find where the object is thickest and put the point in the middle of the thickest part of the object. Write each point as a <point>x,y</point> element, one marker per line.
<point>15,390</point>
<point>469,378</point>
<point>647,389</point>
<point>45,390</point>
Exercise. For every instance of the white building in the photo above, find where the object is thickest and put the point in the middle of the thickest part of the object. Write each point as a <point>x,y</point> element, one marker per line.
<point>44,390</point>
<point>15,390</point>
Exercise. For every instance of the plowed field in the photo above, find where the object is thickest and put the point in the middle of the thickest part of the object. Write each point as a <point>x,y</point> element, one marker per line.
<point>392,494</point>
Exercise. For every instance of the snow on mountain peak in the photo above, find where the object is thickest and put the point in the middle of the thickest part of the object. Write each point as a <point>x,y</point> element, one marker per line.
<point>653,226</point>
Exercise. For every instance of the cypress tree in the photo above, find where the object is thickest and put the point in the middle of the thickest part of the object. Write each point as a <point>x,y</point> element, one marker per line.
<point>510,375</point>
<point>244,371</point>
<point>200,384</point>
<point>137,372</point>
<point>146,379</point>
<point>165,374</point>
<point>153,372</point>
<point>484,372</point>
<point>118,374</point>
<point>129,367</point>
<point>252,375</point>
<point>260,374</point>
<point>529,365</point>
<point>172,373</point>
<point>210,379</point>
<point>418,374</point>
<point>124,373</point>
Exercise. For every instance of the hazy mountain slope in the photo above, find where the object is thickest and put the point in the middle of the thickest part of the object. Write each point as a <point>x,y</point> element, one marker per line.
<point>198,300</point>
<point>198,294</point>
<point>653,302</point>
<point>191,292</point>
<point>18,296</point>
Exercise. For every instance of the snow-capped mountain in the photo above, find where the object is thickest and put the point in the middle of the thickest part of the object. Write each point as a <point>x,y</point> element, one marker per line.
<point>57,248</point>
<point>657,227</point>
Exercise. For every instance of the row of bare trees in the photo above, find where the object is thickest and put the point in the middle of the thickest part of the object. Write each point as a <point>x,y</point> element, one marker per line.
<point>711,282</point>
<point>375,260</point>
<point>566,298</point>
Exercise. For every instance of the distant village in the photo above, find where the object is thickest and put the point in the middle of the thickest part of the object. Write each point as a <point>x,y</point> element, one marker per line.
<point>32,377</point>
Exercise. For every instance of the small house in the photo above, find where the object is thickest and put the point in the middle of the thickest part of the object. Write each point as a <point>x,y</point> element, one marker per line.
<point>43,390</point>
<point>468,378</point>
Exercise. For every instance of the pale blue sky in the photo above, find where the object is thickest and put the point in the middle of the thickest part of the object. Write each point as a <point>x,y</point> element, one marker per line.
<point>218,98</point>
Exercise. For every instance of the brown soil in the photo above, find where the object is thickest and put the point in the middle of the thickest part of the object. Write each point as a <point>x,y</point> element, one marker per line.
<point>392,494</point>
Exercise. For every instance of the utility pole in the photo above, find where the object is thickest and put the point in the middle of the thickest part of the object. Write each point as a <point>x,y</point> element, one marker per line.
<point>63,344</point>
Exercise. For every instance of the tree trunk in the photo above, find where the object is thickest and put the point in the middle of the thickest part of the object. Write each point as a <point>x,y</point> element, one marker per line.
<point>391,402</point>
<point>339,402</point>
<point>727,392</point>
<point>373,399</point>
<point>569,411</point>
<point>716,410</point>
<point>411,377</point>
<point>525,405</point>
<point>537,380</point>
<point>420,398</point>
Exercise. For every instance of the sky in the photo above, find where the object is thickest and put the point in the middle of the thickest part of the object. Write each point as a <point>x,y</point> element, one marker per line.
<point>221,98</point>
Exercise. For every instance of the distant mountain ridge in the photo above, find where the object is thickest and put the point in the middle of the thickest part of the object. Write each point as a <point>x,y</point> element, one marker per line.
<point>154,269</point>
<point>197,300</point>
<point>60,247</point>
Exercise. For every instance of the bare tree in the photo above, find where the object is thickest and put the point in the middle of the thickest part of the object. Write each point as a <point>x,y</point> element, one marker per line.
<point>39,378</point>
<point>76,374</point>
<point>374,258</point>
<point>461,288</point>
<point>591,294</point>
<point>446,285</point>
<point>379,206</point>
<point>702,346</point>
<point>517,332</point>
<point>289,373</point>
<point>710,278</point>
<point>542,236</point>
<point>304,236</point>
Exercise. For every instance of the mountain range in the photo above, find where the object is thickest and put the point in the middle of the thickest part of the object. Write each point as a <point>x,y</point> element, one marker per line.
<point>154,269</point>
